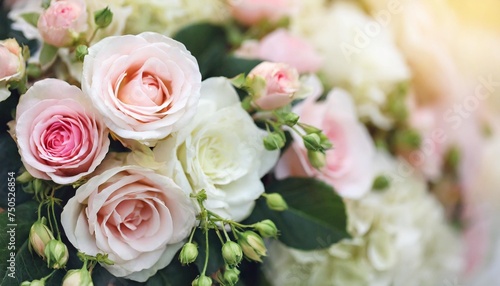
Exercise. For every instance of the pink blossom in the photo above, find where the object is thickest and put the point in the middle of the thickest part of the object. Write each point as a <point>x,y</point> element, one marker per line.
<point>250,12</point>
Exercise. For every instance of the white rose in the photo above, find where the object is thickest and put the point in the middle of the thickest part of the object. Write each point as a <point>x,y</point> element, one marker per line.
<point>220,151</point>
<point>366,64</point>
<point>138,217</point>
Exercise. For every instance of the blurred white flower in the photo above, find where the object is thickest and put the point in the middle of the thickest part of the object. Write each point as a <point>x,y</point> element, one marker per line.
<point>400,237</point>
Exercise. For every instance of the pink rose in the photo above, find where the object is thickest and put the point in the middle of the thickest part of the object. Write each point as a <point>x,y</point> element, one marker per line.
<point>61,23</point>
<point>281,46</point>
<point>145,86</point>
<point>12,65</point>
<point>281,85</point>
<point>349,164</point>
<point>60,136</point>
<point>138,217</point>
<point>250,12</point>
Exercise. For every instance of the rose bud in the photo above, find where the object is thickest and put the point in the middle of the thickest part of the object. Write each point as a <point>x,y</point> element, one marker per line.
<point>56,253</point>
<point>275,202</point>
<point>252,245</point>
<point>231,276</point>
<point>12,64</point>
<point>33,283</point>
<point>232,253</point>
<point>62,22</point>
<point>40,235</point>
<point>266,228</point>
<point>281,85</point>
<point>202,281</point>
<point>79,277</point>
<point>188,253</point>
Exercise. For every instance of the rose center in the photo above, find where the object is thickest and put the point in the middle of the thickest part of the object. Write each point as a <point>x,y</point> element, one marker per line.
<point>62,139</point>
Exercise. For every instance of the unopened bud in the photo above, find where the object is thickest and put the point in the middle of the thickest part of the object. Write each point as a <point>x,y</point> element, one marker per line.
<point>290,119</point>
<point>380,183</point>
<point>188,254</point>
<point>202,281</point>
<point>252,245</point>
<point>40,235</point>
<point>312,142</point>
<point>275,202</point>
<point>316,158</point>
<point>56,253</point>
<point>231,276</point>
<point>25,177</point>
<point>80,277</point>
<point>103,17</point>
<point>273,141</point>
<point>232,253</point>
<point>309,129</point>
<point>81,51</point>
<point>266,228</point>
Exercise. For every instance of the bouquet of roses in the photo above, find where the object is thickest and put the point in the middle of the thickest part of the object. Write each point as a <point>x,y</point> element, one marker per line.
<point>231,143</point>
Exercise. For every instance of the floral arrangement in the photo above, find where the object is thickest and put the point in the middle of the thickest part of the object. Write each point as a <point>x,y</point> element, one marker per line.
<point>246,142</point>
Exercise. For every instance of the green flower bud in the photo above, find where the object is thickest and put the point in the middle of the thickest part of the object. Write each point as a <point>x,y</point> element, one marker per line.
<point>252,245</point>
<point>232,253</point>
<point>25,177</point>
<point>33,283</point>
<point>188,254</point>
<point>103,17</point>
<point>290,119</point>
<point>275,202</point>
<point>266,228</point>
<point>309,129</point>
<point>202,281</point>
<point>231,276</point>
<point>39,237</point>
<point>312,142</point>
<point>316,158</point>
<point>56,253</point>
<point>273,141</point>
<point>380,183</point>
<point>81,51</point>
<point>79,277</point>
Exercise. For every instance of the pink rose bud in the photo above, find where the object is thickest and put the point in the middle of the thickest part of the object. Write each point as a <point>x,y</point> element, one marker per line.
<point>281,84</point>
<point>281,46</point>
<point>250,12</point>
<point>11,60</point>
<point>61,23</point>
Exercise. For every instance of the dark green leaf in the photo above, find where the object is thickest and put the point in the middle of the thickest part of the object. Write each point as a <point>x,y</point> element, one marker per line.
<point>23,216</point>
<point>215,261</point>
<point>206,42</point>
<point>100,276</point>
<point>11,162</point>
<point>30,267</point>
<point>232,66</point>
<point>316,216</point>
<point>48,54</point>
<point>174,274</point>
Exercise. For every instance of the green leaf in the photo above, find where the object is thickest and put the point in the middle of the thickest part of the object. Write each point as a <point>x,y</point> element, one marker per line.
<point>315,218</point>
<point>174,274</point>
<point>100,276</point>
<point>206,42</point>
<point>48,54</point>
<point>11,162</point>
<point>215,261</point>
<point>31,18</point>
<point>24,216</point>
<point>30,267</point>
<point>232,66</point>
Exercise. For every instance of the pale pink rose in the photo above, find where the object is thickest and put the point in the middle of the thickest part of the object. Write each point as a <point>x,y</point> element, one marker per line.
<point>283,47</point>
<point>137,217</point>
<point>281,84</point>
<point>62,22</point>
<point>350,163</point>
<point>146,86</point>
<point>250,12</point>
<point>60,136</point>
<point>11,59</point>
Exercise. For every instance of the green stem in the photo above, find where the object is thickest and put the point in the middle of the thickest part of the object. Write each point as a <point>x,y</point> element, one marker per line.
<point>217,231</point>
<point>93,36</point>
<point>206,253</point>
<point>192,234</point>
